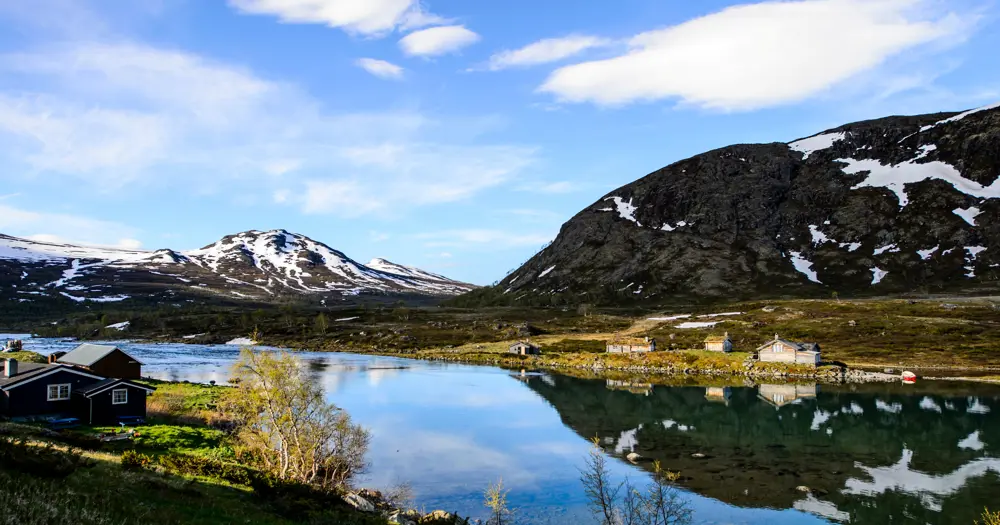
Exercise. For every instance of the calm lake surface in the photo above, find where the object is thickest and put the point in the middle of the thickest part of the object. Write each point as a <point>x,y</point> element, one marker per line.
<point>921,454</point>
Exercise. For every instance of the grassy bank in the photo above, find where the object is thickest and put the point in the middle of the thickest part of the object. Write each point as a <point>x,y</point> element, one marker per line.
<point>183,470</point>
<point>929,333</point>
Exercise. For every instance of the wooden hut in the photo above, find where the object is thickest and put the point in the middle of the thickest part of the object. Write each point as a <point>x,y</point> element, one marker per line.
<point>108,361</point>
<point>524,348</point>
<point>631,345</point>
<point>779,350</point>
<point>715,343</point>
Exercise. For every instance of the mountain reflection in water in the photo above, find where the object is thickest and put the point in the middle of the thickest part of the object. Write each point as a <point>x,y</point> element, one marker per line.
<point>866,453</point>
<point>869,454</point>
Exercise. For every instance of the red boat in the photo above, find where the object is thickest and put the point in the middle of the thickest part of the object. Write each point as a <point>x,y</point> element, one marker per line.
<point>909,378</point>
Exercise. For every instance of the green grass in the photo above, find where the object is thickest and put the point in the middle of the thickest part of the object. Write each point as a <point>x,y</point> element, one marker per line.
<point>185,438</point>
<point>106,494</point>
<point>25,357</point>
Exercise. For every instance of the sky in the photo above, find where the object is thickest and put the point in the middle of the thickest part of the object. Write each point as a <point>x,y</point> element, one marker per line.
<point>452,136</point>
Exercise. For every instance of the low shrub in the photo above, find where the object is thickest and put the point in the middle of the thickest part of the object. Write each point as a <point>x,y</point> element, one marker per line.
<point>132,460</point>
<point>43,461</point>
<point>294,500</point>
<point>208,467</point>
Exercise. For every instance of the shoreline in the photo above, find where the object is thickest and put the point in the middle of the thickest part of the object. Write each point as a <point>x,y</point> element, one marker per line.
<point>637,365</point>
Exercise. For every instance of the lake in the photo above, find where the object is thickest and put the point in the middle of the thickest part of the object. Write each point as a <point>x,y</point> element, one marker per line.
<point>924,453</point>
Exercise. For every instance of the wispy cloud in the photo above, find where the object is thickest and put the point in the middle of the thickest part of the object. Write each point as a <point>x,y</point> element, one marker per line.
<point>404,175</point>
<point>381,68</point>
<point>128,113</point>
<point>535,215</point>
<point>546,51</point>
<point>61,228</point>
<point>552,187</point>
<point>437,41</point>
<point>366,17</point>
<point>376,236</point>
<point>494,239</point>
<point>757,55</point>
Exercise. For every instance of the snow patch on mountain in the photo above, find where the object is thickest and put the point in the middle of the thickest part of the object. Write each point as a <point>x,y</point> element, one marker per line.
<point>811,145</point>
<point>968,214</point>
<point>804,266</point>
<point>926,254</point>
<point>895,177</point>
<point>960,116</point>
<point>625,209</point>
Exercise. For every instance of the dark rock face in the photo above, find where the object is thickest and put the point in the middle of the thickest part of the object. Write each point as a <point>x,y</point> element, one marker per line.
<point>899,204</point>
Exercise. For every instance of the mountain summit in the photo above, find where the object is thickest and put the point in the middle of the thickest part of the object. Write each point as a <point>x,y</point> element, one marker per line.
<point>887,206</point>
<point>253,265</point>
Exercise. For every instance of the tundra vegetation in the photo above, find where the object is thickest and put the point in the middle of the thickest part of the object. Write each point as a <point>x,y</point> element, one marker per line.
<point>960,333</point>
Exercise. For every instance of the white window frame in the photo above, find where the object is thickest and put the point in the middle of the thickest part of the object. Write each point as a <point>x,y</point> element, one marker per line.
<point>58,396</point>
<point>115,391</point>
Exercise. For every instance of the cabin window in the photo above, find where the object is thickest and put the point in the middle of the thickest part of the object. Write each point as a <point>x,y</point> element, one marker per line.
<point>779,348</point>
<point>59,392</point>
<point>119,396</point>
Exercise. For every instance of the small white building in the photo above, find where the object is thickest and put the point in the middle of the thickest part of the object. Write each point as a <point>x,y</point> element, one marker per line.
<point>524,348</point>
<point>782,351</point>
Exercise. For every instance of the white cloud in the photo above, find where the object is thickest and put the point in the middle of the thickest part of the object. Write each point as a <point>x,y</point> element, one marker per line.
<point>128,114</point>
<point>380,68</point>
<point>367,17</point>
<point>551,187</point>
<point>486,237</point>
<point>282,196</point>
<point>401,175</point>
<point>65,228</point>
<point>756,55</point>
<point>436,41</point>
<point>546,51</point>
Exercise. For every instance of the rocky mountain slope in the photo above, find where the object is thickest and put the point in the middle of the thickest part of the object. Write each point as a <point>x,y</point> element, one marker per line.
<point>254,265</point>
<point>887,206</point>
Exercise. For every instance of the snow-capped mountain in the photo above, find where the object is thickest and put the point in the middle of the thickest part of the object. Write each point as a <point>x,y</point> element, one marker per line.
<point>250,265</point>
<point>888,206</point>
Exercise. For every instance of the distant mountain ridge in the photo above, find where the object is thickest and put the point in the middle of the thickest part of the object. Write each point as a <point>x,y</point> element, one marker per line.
<point>881,207</point>
<point>253,265</point>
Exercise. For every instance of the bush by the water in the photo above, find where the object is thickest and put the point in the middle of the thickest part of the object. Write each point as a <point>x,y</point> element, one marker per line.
<point>284,419</point>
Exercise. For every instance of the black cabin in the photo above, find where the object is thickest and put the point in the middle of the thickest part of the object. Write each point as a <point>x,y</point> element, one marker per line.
<point>33,390</point>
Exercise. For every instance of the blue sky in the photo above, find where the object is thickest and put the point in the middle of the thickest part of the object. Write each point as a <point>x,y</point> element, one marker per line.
<point>453,136</point>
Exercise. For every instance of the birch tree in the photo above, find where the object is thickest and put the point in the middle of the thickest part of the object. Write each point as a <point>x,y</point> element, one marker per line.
<point>284,417</point>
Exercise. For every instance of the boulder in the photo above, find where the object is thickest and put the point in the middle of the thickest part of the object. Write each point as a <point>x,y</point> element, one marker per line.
<point>633,457</point>
<point>358,502</point>
<point>398,518</point>
<point>803,488</point>
<point>438,516</point>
